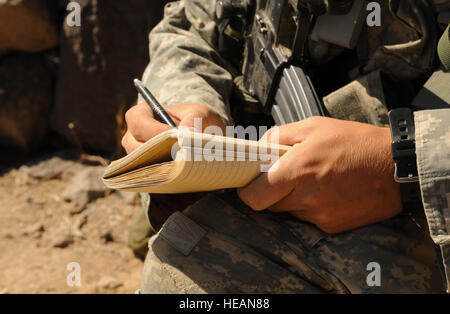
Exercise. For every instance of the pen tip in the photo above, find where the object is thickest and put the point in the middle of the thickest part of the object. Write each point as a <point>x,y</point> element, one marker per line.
<point>136,82</point>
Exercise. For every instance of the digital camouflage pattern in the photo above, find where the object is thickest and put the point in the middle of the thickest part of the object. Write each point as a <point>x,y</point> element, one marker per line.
<point>433,162</point>
<point>185,68</point>
<point>233,249</point>
<point>244,251</point>
<point>362,100</point>
<point>405,49</point>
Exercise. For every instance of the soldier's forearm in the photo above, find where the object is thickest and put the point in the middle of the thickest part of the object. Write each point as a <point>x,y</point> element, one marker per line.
<point>185,67</point>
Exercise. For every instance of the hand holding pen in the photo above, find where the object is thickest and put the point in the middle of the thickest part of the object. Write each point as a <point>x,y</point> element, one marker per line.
<point>145,120</point>
<point>153,103</point>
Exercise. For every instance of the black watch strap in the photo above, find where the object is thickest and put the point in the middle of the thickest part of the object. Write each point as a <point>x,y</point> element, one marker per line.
<point>404,152</point>
<point>411,197</point>
<point>401,122</point>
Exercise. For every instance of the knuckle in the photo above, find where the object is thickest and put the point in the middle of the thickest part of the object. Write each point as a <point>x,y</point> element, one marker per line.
<point>129,115</point>
<point>255,205</point>
<point>313,203</point>
<point>323,220</point>
<point>133,125</point>
<point>136,132</point>
<point>314,120</point>
<point>124,141</point>
<point>327,228</point>
<point>328,223</point>
<point>251,201</point>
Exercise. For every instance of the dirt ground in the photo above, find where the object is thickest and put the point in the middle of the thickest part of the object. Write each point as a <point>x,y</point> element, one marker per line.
<point>41,233</point>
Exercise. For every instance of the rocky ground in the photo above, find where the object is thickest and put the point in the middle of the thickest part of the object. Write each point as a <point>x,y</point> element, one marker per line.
<point>54,211</point>
<point>61,80</point>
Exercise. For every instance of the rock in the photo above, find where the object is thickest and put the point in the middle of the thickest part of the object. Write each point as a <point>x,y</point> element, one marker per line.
<point>85,187</point>
<point>98,63</point>
<point>27,25</point>
<point>107,236</point>
<point>79,222</point>
<point>23,179</point>
<point>25,100</point>
<point>48,169</point>
<point>34,230</point>
<point>108,283</point>
<point>62,238</point>
<point>27,197</point>
<point>72,171</point>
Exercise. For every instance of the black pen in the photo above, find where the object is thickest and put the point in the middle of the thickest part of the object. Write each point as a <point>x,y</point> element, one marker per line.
<point>153,103</point>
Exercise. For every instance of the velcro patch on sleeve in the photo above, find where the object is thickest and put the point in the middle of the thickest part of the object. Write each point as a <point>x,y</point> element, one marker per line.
<point>181,233</point>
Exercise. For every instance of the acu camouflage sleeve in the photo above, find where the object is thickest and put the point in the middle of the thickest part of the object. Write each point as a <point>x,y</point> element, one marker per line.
<point>185,67</point>
<point>433,159</point>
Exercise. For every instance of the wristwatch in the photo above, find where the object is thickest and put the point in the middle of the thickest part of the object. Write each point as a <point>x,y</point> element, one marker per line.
<point>401,122</point>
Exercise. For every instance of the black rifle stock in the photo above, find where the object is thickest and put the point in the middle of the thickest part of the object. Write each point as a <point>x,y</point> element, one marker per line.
<point>275,34</point>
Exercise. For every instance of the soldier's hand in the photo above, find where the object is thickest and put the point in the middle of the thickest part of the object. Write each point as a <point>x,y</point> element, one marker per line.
<point>338,175</point>
<point>142,124</point>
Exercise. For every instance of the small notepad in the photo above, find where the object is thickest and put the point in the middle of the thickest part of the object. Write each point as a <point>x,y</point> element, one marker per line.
<point>179,161</point>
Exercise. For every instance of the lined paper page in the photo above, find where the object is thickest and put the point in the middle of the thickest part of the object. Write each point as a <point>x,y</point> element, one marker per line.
<point>195,170</point>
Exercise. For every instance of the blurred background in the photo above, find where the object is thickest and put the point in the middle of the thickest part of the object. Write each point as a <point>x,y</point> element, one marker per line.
<point>63,94</point>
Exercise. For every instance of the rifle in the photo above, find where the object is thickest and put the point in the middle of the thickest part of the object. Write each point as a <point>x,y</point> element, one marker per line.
<point>275,34</point>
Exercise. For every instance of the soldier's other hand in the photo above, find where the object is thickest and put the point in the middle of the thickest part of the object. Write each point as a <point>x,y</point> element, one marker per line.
<point>338,175</point>
<point>142,124</point>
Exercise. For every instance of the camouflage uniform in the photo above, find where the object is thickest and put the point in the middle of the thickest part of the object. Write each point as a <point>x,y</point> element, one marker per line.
<point>219,245</point>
